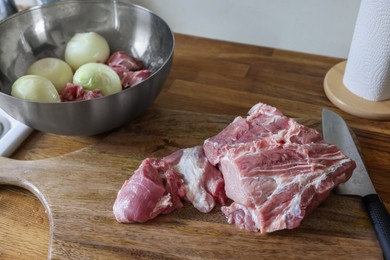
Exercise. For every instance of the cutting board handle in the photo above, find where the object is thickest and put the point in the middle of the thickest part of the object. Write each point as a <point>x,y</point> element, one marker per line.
<point>22,174</point>
<point>11,172</point>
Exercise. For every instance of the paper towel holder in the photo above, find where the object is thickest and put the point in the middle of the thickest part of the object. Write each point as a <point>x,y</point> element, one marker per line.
<point>347,101</point>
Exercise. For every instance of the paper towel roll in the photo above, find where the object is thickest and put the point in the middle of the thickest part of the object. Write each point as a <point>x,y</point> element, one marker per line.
<point>367,73</point>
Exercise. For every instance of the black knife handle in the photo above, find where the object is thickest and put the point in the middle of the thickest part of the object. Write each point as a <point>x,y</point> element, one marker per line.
<point>381,220</point>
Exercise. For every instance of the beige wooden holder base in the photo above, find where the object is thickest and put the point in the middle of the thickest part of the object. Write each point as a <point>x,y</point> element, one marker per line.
<point>344,99</point>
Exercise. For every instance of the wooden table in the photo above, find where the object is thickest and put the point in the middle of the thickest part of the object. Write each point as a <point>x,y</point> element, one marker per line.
<point>208,76</point>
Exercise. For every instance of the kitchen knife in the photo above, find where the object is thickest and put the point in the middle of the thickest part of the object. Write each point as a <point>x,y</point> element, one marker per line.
<point>336,132</point>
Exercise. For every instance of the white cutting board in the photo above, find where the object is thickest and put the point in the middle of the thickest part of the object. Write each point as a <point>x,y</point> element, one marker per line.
<point>12,135</point>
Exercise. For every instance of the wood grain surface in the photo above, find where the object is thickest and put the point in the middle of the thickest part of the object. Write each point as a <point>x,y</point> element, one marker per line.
<point>78,191</point>
<point>223,78</point>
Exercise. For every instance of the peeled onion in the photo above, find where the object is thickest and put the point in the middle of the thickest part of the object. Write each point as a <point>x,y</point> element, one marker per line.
<point>35,88</point>
<point>86,47</point>
<point>55,70</point>
<point>98,76</point>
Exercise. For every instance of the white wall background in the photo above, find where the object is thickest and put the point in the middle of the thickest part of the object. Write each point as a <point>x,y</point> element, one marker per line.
<point>323,27</point>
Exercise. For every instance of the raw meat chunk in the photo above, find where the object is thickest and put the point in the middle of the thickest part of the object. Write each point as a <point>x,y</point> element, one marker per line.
<point>75,92</point>
<point>129,69</point>
<point>124,60</point>
<point>275,170</point>
<point>159,185</point>
<point>153,189</point>
<point>131,78</point>
<point>204,183</point>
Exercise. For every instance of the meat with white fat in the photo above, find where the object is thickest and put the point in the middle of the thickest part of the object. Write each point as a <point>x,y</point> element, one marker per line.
<point>130,70</point>
<point>203,182</point>
<point>124,60</point>
<point>275,170</point>
<point>76,92</point>
<point>158,186</point>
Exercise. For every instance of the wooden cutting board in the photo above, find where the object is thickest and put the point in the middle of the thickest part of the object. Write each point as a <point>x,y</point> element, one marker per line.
<point>79,189</point>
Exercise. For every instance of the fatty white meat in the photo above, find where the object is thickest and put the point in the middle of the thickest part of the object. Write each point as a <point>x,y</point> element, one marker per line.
<point>158,186</point>
<point>273,169</point>
<point>276,170</point>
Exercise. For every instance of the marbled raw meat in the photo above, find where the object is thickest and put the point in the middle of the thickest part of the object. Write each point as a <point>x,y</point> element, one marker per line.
<point>275,170</point>
<point>130,70</point>
<point>153,189</point>
<point>158,186</point>
<point>203,182</point>
<point>75,92</point>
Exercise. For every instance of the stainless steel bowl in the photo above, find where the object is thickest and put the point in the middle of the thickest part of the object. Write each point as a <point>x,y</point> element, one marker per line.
<point>43,31</point>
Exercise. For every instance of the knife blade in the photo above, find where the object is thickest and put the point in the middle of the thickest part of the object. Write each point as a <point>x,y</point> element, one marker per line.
<point>336,132</point>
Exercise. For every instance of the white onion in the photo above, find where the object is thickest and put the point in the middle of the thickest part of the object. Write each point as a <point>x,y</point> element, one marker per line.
<point>55,70</point>
<point>98,76</point>
<point>35,88</point>
<point>86,47</point>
